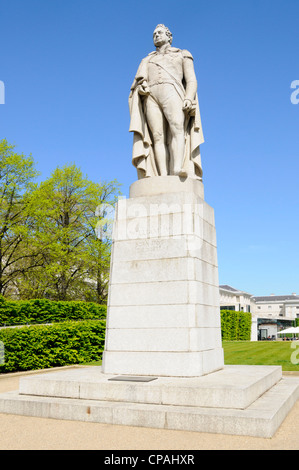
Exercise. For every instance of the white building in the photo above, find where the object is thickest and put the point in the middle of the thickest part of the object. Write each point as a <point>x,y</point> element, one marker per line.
<point>233,299</point>
<point>275,313</point>
<point>270,314</point>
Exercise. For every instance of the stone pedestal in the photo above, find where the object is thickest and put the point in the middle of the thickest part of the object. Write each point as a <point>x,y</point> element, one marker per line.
<point>163,309</point>
<point>163,362</point>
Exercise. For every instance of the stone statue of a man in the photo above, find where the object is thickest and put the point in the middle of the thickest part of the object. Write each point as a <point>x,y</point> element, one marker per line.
<point>165,117</point>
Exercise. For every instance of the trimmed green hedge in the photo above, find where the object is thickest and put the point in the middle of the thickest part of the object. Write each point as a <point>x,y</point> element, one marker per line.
<point>60,344</point>
<point>73,342</point>
<point>22,312</point>
<point>235,326</point>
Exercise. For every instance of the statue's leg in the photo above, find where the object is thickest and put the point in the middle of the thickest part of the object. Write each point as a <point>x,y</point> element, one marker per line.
<point>157,125</point>
<point>172,108</point>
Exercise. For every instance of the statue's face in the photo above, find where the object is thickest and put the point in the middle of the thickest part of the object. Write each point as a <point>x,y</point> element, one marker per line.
<point>160,37</point>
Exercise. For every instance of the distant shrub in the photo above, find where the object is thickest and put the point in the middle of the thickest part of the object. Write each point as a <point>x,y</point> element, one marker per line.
<point>235,326</point>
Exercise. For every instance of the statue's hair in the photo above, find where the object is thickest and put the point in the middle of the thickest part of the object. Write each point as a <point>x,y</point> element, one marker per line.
<point>168,33</point>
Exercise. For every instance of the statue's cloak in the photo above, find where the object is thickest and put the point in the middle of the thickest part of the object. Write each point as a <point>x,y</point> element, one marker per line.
<point>143,154</point>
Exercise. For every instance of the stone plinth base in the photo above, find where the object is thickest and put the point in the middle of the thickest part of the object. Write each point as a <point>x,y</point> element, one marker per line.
<point>163,308</point>
<point>240,400</point>
<point>166,185</point>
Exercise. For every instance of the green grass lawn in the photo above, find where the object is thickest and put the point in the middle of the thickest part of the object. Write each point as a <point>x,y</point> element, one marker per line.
<point>275,353</point>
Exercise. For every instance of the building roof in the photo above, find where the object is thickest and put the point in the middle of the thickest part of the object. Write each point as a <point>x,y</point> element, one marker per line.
<point>233,290</point>
<point>267,298</point>
<point>276,298</point>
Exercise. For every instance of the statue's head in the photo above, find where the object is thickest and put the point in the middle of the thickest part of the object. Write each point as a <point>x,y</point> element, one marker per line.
<point>162,35</point>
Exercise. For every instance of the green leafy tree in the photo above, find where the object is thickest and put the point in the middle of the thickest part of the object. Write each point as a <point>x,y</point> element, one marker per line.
<point>64,216</point>
<point>99,244</point>
<point>17,174</point>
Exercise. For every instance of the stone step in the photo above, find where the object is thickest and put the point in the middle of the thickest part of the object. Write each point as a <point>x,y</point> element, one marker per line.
<point>233,387</point>
<point>261,419</point>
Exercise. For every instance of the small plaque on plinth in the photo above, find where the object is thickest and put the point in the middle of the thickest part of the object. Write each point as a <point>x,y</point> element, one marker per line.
<point>126,378</point>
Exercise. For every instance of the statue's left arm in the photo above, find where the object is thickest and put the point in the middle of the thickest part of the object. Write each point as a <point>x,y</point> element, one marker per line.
<point>190,80</point>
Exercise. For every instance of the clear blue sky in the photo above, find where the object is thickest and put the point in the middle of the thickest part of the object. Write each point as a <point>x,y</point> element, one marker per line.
<point>68,65</point>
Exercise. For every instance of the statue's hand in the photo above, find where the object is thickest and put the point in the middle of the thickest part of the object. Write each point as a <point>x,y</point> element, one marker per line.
<point>143,88</point>
<point>188,105</point>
